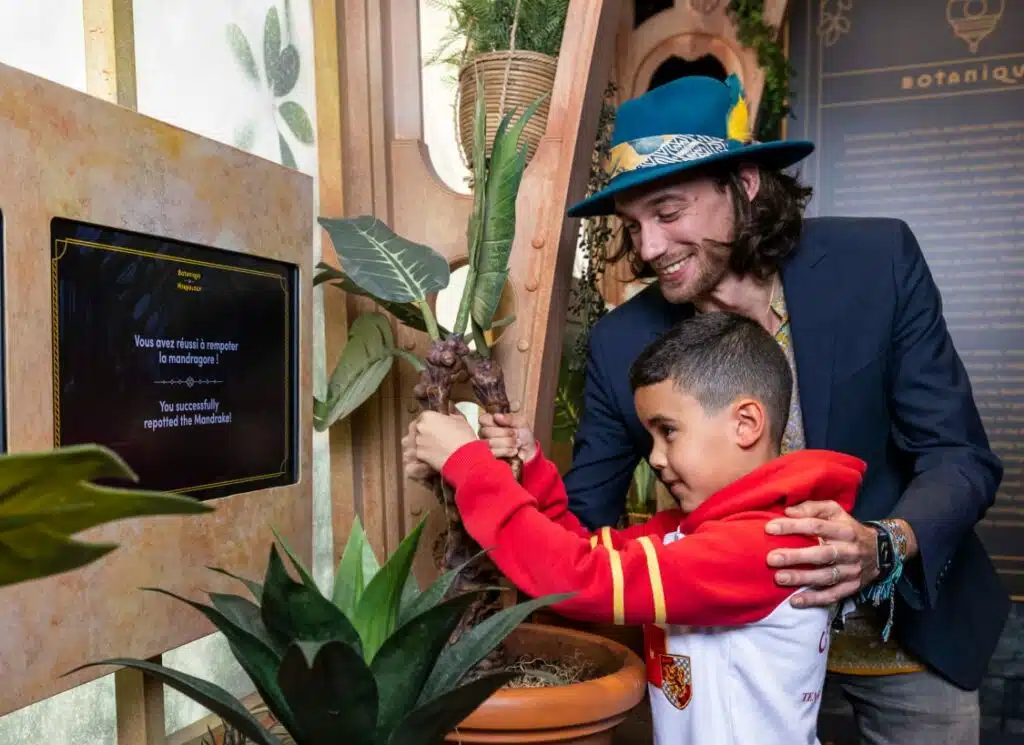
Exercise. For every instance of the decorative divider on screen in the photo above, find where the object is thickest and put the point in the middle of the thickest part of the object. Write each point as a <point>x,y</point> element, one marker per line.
<point>155,301</point>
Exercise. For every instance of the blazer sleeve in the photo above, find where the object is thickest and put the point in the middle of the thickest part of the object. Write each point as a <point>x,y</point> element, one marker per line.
<point>604,455</point>
<point>716,576</point>
<point>936,423</point>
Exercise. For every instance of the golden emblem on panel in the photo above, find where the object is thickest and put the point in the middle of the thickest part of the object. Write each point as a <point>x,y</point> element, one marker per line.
<point>832,21</point>
<point>973,20</point>
<point>705,6</point>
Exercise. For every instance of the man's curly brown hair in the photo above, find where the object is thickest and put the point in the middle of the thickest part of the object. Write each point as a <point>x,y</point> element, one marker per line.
<point>766,228</point>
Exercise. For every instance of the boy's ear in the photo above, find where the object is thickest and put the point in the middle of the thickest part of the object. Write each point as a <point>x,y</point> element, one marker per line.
<point>750,421</point>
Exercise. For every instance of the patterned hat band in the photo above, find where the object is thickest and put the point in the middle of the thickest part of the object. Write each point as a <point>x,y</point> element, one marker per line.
<point>662,150</point>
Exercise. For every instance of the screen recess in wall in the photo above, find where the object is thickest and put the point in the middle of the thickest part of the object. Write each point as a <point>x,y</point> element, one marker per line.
<point>181,358</point>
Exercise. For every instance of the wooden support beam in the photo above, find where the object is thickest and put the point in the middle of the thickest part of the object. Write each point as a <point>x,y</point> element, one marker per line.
<point>328,56</point>
<point>545,243</point>
<point>110,51</point>
<point>373,455</point>
<point>139,700</point>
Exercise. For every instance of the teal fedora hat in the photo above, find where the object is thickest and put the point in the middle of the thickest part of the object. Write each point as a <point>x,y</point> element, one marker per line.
<point>677,127</point>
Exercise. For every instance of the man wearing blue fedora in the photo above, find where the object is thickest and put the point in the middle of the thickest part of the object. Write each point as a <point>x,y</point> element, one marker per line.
<point>711,216</point>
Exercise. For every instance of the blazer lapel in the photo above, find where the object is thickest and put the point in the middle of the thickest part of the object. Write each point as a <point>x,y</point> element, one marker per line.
<point>809,302</point>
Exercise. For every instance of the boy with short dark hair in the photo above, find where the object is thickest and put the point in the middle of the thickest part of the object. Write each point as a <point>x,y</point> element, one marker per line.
<point>729,659</point>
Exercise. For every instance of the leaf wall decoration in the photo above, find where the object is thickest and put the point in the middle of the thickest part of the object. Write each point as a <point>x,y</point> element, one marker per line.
<point>245,136</point>
<point>271,43</point>
<point>286,72</point>
<point>242,51</point>
<point>298,121</point>
<point>287,157</point>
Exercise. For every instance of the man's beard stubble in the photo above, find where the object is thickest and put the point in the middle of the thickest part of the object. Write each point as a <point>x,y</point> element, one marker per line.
<point>713,265</point>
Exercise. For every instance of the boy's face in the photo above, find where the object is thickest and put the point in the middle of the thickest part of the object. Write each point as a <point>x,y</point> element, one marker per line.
<point>697,453</point>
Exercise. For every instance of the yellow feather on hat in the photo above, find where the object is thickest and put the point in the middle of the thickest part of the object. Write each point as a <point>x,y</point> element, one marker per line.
<point>738,122</point>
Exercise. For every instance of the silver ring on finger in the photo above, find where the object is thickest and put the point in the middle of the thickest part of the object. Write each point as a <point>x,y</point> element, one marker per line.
<point>835,554</point>
<point>835,575</point>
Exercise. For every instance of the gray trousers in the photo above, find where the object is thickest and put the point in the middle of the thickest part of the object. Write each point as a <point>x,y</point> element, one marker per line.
<point>908,709</point>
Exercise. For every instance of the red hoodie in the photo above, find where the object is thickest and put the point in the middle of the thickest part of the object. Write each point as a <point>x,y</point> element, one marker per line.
<point>718,576</point>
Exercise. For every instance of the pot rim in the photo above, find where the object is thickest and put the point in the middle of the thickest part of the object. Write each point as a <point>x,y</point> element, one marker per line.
<point>571,705</point>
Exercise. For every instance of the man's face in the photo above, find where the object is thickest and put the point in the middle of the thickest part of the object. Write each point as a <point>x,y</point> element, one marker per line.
<point>677,229</point>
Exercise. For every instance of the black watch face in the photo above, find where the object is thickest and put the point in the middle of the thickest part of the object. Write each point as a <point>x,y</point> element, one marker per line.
<point>885,555</point>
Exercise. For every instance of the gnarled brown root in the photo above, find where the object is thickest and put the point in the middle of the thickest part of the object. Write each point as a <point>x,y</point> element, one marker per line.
<point>447,366</point>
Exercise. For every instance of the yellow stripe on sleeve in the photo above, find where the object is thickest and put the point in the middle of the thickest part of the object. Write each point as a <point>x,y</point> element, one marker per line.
<point>606,537</point>
<point>657,588</point>
<point>593,541</point>
<point>618,588</point>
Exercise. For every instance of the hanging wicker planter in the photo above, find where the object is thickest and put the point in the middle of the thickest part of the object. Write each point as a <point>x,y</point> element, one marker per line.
<point>517,78</point>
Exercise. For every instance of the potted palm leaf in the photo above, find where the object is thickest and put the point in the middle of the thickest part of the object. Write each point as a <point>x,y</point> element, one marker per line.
<point>400,276</point>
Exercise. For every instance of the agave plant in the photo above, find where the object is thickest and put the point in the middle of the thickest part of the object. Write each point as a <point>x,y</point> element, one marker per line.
<point>47,497</point>
<point>400,275</point>
<point>368,665</point>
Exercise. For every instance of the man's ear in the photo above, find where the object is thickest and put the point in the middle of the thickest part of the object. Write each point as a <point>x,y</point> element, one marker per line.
<point>750,422</point>
<point>750,177</point>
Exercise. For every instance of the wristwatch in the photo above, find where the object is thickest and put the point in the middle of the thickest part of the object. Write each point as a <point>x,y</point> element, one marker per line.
<point>886,552</point>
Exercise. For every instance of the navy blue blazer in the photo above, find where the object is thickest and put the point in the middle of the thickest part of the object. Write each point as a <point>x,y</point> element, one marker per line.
<point>878,378</point>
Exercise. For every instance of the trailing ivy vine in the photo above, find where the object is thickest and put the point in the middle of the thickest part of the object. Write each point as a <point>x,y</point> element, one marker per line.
<point>753,32</point>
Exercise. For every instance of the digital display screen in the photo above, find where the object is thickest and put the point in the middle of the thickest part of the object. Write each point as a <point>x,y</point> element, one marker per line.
<point>183,359</point>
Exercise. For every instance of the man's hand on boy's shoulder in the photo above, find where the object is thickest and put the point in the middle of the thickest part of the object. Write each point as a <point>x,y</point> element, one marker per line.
<point>508,436</point>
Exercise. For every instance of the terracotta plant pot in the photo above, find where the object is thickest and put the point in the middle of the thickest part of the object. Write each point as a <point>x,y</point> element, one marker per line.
<point>582,713</point>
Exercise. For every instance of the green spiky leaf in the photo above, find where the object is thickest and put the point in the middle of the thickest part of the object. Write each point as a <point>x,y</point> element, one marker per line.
<point>259,659</point>
<point>432,720</point>
<point>350,577</point>
<point>255,588</point>
<point>376,615</point>
<point>504,175</point>
<point>304,574</point>
<point>211,696</point>
<point>385,265</point>
<point>47,497</point>
<point>245,615</point>
<point>435,593</point>
<point>294,612</point>
<point>477,642</point>
<point>405,660</point>
<point>335,698</point>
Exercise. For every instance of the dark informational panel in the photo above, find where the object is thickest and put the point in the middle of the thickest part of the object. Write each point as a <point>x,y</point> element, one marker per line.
<point>181,358</point>
<point>917,110</point>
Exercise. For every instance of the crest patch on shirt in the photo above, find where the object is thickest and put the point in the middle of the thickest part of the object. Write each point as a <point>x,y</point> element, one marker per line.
<point>676,679</point>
